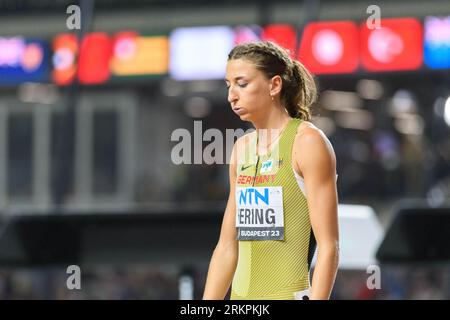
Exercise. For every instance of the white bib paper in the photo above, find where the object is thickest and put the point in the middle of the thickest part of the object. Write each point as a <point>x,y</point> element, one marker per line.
<point>259,213</point>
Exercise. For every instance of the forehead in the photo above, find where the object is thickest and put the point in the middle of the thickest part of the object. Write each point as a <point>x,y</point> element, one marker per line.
<point>239,68</point>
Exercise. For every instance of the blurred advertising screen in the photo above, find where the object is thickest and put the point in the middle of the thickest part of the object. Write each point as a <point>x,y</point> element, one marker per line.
<point>23,60</point>
<point>135,55</point>
<point>244,34</point>
<point>282,34</point>
<point>437,42</point>
<point>330,47</point>
<point>90,64</point>
<point>65,52</point>
<point>200,53</point>
<point>95,54</point>
<point>396,46</point>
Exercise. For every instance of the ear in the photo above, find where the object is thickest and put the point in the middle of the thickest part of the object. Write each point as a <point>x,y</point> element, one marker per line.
<point>276,83</point>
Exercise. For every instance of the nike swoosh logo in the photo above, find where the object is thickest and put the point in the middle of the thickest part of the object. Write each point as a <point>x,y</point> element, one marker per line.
<point>243,168</point>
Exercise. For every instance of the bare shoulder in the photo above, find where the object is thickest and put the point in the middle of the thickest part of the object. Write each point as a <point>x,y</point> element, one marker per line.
<point>308,135</point>
<point>311,145</point>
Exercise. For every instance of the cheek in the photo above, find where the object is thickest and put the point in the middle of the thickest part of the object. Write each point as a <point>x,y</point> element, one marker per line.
<point>261,97</point>
<point>256,94</point>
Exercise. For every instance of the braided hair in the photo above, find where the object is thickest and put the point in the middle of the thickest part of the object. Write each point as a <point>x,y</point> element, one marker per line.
<point>298,91</point>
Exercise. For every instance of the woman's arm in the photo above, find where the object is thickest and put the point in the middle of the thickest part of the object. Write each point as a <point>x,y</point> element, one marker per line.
<point>224,259</point>
<point>316,161</point>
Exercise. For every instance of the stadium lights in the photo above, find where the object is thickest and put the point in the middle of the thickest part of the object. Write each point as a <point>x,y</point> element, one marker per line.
<point>447,111</point>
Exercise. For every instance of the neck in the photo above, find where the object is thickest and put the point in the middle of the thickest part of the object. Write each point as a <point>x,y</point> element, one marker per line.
<point>269,127</point>
<point>276,118</point>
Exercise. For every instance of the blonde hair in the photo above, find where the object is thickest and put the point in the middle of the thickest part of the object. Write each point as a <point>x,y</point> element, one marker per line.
<point>299,89</point>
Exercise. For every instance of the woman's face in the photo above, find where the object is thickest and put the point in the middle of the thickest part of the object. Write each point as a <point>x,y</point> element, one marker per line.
<point>248,89</point>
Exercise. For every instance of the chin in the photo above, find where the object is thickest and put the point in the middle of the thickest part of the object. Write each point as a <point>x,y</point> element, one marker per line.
<point>245,117</point>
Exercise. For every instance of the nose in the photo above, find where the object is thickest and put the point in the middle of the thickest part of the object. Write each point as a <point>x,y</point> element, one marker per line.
<point>232,97</point>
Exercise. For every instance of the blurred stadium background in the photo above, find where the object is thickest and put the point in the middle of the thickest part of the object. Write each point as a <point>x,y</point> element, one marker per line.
<point>86,118</point>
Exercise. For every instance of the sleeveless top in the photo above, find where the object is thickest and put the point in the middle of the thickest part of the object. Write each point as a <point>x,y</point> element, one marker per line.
<point>276,242</point>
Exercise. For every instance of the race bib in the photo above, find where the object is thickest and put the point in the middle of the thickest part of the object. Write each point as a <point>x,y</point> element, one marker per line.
<point>259,213</point>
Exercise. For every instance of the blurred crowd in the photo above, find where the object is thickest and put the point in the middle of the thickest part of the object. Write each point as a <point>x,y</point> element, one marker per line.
<point>162,283</point>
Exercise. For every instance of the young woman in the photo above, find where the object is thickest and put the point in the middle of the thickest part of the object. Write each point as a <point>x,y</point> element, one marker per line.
<point>283,198</point>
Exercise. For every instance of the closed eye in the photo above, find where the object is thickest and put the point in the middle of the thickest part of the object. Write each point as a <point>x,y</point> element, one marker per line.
<point>241,85</point>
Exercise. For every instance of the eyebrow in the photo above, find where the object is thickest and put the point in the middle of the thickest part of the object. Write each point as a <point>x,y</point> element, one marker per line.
<point>236,78</point>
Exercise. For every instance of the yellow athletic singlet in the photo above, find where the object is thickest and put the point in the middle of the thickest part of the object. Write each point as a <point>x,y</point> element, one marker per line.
<point>276,242</point>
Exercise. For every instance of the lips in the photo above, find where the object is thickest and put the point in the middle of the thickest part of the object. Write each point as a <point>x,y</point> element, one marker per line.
<point>239,110</point>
